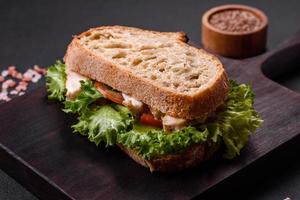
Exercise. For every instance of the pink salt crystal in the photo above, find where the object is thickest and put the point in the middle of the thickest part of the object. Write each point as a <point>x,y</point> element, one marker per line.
<point>12,71</point>
<point>12,84</point>
<point>3,96</point>
<point>8,83</point>
<point>13,92</point>
<point>19,76</point>
<point>31,75</point>
<point>21,93</point>
<point>4,73</point>
<point>39,69</point>
<point>36,78</point>
<point>23,83</point>
<point>21,87</point>
<point>11,68</point>
<point>27,78</point>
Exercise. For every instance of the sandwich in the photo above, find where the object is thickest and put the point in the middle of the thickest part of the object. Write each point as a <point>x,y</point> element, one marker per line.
<point>168,105</point>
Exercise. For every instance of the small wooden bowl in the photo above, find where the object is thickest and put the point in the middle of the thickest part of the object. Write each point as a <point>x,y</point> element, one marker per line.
<point>234,44</point>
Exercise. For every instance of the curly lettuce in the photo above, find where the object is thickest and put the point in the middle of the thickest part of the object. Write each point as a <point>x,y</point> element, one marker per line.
<point>88,94</point>
<point>56,80</point>
<point>153,142</point>
<point>237,121</point>
<point>234,125</point>
<point>104,123</point>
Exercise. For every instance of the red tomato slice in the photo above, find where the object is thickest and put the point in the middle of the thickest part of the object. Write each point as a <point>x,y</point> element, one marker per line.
<point>108,93</point>
<point>148,119</point>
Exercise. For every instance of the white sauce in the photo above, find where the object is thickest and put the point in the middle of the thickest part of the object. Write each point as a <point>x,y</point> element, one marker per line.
<point>132,103</point>
<point>172,123</point>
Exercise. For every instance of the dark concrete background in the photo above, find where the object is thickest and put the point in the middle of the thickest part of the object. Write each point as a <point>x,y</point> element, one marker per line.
<point>37,32</point>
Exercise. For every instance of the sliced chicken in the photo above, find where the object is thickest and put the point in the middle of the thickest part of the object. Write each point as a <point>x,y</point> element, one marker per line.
<point>73,83</point>
<point>171,124</point>
<point>133,104</point>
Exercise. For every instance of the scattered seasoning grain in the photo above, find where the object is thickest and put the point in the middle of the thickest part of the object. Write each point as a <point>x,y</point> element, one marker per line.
<point>18,83</point>
<point>4,96</point>
<point>11,83</point>
<point>27,78</point>
<point>19,76</point>
<point>21,93</point>
<point>23,83</point>
<point>13,92</point>
<point>235,20</point>
<point>39,69</point>
<point>32,75</point>
<point>21,87</point>
<point>12,67</point>
<point>8,84</point>
<point>36,77</point>
<point>4,73</point>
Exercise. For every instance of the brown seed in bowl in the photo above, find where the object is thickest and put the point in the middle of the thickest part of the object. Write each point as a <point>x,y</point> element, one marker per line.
<point>235,21</point>
<point>235,31</point>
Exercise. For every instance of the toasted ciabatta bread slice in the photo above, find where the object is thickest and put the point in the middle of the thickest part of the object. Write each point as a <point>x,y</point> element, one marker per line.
<point>157,68</point>
<point>191,157</point>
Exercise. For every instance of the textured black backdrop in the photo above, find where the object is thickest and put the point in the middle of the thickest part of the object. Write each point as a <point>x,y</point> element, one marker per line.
<point>37,32</point>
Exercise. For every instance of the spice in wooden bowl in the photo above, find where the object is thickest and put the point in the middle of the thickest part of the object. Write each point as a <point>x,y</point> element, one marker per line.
<point>240,21</point>
<point>234,31</point>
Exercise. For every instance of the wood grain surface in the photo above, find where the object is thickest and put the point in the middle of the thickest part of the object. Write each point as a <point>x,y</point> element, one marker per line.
<point>38,148</point>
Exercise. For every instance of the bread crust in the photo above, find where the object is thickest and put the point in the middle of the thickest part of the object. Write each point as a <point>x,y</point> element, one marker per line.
<point>85,62</point>
<point>191,157</point>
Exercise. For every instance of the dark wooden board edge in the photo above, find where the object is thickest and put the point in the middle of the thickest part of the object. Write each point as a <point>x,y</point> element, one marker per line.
<point>42,187</point>
<point>29,177</point>
<point>262,164</point>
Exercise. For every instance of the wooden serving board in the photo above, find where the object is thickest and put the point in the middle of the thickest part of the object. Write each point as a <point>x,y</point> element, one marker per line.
<point>38,148</point>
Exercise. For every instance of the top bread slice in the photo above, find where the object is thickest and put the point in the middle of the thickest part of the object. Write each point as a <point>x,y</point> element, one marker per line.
<point>157,68</point>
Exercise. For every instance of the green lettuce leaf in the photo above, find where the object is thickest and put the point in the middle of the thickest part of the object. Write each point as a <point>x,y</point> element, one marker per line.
<point>87,95</point>
<point>55,81</point>
<point>111,124</point>
<point>237,121</point>
<point>104,123</point>
<point>149,142</point>
<point>234,125</point>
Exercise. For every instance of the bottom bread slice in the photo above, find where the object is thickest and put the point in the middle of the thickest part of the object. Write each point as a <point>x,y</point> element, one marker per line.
<point>191,157</point>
